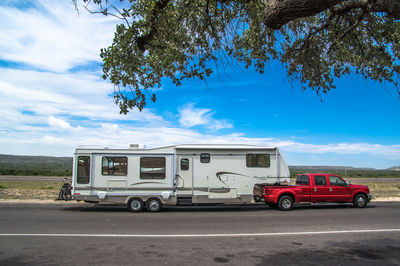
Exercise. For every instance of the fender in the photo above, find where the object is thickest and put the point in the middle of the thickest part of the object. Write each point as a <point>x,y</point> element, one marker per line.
<point>288,192</point>
<point>358,191</point>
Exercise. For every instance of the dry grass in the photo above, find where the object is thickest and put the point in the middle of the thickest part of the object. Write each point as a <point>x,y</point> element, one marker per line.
<point>28,194</point>
<point>34,184</point>
<point>41,190</point>
<point>384,190</point>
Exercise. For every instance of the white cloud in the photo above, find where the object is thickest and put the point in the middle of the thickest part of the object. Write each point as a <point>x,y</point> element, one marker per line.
<point>58,123</point>
<point>74,94</point>
<point>53,36</point>
<point>191,116</point>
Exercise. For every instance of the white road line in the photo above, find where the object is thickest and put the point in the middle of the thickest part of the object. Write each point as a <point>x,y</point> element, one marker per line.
<point>207,235</point>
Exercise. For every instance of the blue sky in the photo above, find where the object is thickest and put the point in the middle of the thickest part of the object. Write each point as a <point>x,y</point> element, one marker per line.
<point>52,99</point>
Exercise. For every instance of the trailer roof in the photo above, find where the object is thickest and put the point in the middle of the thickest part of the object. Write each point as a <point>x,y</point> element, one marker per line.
<point>221,147</point>
<point>183,147</point>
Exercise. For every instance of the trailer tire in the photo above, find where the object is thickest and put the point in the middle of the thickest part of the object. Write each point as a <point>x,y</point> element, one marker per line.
<point>153,205</point>
<point>360,201</point>
<point>285,203</point>
<point>135,205</point>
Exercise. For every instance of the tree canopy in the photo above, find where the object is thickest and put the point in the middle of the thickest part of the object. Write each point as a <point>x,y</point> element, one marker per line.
<point>316,41</point>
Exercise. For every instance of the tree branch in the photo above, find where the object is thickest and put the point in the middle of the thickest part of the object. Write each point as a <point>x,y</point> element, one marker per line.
<point>279,12</point>
<point>143,40</point>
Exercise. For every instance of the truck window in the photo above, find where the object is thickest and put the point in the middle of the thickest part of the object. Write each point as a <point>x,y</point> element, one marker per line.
<point>152,168</point>
<point>303,179</point>
<point>336,181</point>
<point>83,173</point>
<point>320,180</point>
<point>257,160</point>
<point>184,164</point>
<point>115,165</point>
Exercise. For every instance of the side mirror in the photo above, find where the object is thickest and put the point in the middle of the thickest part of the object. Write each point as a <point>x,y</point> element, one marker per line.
<point>347,183</point>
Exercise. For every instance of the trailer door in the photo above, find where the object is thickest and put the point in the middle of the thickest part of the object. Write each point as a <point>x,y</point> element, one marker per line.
<point>82,180</point>
<point>185,176</point>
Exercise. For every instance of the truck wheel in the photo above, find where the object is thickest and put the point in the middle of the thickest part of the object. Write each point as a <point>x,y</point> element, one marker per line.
<point>360,201</point>
<point>135,205</point>
<point>153,205</point>
<point>285,203</point>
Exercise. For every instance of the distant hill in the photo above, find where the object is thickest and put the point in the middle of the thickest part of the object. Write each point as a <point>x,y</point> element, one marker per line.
<point>62,166</point>
<point>326,167</point>
<point>35,165</point>
<point>346,171</point>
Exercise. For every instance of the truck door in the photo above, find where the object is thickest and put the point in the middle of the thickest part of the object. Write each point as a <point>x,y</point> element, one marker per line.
<point>304,182</point>
<point>339,192</point>
<point>185,176</point>
<point>320,191</point>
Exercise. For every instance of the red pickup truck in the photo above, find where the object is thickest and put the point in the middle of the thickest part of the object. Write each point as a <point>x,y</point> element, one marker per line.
<point>312,187</point>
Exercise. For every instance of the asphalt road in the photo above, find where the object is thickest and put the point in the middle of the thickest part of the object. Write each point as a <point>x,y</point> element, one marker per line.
<point>236,235</point>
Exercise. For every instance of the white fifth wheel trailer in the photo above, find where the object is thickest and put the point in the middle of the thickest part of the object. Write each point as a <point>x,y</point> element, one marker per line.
<point>175,175</point>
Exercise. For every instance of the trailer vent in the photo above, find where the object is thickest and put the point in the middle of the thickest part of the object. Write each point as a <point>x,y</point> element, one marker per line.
<point>136,146</point>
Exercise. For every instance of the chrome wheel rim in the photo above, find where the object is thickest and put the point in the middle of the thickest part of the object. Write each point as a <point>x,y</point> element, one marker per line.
<point>153,205</point>
<point>135,204</point>
<point>286,203</point>
<point>360,201</point>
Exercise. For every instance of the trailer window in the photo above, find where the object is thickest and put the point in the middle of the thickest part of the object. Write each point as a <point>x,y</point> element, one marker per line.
<point>83,173</point>
<point>257,160</point>
<point>115,166</point>
<point>152,167</point>
<point>184,164</point>
<point>320,180</point>
<point>205,157</point>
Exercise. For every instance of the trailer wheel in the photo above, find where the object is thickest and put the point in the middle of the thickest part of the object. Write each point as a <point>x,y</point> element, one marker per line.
<point>135,205</point>
<point>153,205</point>
<point>285,203</point>
<point>360,201</point>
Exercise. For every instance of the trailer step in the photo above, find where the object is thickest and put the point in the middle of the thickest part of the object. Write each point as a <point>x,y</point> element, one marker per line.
<point>184,201</point>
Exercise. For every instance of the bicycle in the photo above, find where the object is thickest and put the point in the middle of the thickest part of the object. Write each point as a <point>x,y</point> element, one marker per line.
<point>65,191</point>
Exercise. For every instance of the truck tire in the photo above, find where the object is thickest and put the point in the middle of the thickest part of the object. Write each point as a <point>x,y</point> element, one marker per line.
<point>135,205</point>
<point>360,201</point>
<point>285,203</point>
<point>153,205</point>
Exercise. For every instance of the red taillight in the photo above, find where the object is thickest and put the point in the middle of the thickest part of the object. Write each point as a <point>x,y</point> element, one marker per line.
<point>72,188</point>
<point>77,193</point>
